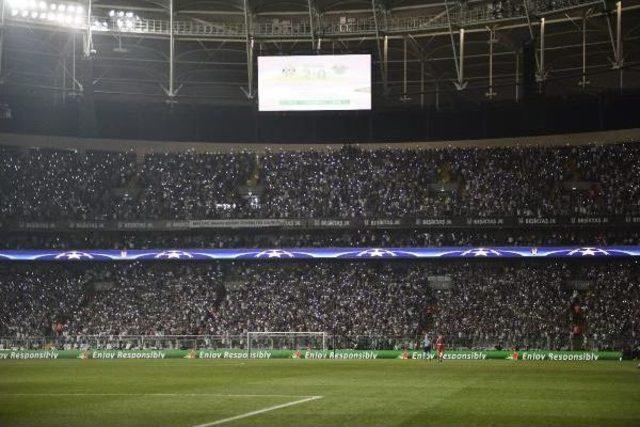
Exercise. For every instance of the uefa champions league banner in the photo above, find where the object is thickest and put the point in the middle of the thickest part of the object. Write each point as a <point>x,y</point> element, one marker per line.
<point>323,253</point>
<point>236,354</point>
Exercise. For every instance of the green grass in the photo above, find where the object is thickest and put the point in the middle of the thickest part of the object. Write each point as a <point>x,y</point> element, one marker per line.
<point>381,392</point>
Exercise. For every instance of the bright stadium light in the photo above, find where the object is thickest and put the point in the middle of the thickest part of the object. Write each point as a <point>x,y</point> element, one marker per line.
<point>69,14</point>
<point>123,20</point>
<point>66,14</point>
<point>17,4</point>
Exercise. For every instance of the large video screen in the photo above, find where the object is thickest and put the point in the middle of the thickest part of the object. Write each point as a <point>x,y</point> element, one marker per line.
<point>314,82</point>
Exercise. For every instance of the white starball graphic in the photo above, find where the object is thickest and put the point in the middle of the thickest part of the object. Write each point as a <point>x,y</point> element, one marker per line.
<point>274,253</point>
<point>174,255</point>
<point>376,253</point>
<point>74,255</point>
<point>480,252</point>
<point>588,252</point>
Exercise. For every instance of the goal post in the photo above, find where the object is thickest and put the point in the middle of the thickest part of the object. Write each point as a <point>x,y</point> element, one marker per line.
<point>277,340</point>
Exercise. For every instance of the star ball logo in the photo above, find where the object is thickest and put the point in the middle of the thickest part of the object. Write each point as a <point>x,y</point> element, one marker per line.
<point>376,253</point>
<point>480,252</point>
<point>587,252</point>
<point>275,253</point>
<point>174,255</point>
<point>74,256</point>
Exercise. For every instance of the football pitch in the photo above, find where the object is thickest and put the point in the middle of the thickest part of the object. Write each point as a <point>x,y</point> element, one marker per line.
<point>317,393</point>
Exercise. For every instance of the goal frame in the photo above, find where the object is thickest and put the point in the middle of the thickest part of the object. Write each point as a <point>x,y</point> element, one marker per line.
<point>251,334</point>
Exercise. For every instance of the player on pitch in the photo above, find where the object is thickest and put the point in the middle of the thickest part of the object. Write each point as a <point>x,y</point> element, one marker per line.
<point>440,348</point>
<point>427,346</point>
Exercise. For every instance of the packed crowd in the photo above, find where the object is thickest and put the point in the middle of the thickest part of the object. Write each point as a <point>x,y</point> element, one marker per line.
<point>48,184</point>
<point>114,300</point>
<point>483,304</point>
<point>346,183</point>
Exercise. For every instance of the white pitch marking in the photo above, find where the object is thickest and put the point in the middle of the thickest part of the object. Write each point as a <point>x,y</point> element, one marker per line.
<point>150,394</point>
<point>259,411</point>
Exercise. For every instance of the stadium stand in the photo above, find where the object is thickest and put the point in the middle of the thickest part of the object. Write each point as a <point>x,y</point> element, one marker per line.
<point>488,304</point>
<point>361,305</point>
<point>349,183</point>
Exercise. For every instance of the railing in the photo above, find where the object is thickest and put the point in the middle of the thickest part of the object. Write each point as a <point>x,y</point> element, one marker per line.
<point>188,28</point>
<point>362,342</point>
<point>477,14</point>
<point>140,26</point>
<point>286,28</point>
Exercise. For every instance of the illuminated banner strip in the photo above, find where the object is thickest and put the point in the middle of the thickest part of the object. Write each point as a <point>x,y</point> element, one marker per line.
<point>322,253</point>
<point>322,224</point>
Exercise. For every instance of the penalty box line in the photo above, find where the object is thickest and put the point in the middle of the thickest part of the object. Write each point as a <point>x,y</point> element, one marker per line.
<point>259,411</point>
<point>213,423</point>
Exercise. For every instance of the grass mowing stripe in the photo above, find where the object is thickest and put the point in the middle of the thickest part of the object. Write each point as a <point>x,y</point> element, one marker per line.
<point>259,411</point>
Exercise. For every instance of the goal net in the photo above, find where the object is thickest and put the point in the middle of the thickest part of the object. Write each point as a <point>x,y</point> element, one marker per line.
<point>286,340</point>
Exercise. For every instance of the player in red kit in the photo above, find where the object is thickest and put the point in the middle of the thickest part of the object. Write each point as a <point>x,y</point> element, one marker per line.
<point>440,348</point>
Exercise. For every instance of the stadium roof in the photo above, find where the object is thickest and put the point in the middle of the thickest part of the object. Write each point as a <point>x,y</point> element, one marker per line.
<point>204,51</point>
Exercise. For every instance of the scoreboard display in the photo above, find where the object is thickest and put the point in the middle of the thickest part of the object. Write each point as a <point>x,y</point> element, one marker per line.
<point>314,82</point>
